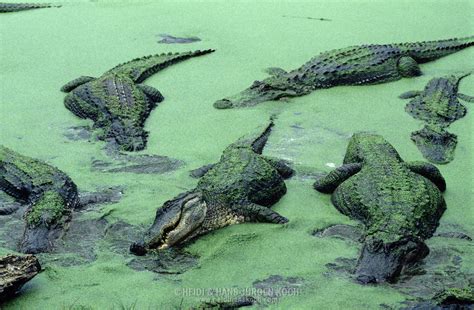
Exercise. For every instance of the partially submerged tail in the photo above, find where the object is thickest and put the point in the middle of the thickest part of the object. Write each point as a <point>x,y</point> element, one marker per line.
<point>257,140</point>
<point>430,50</point>
<point>141,68</point>
<point>14,7</point>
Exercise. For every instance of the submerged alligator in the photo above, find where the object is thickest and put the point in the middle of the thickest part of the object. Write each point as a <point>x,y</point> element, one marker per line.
<point>15,271</point>
<point>241,187</point>
<point>15,7</point>
<point>117,102</point>
<point>438,106</point>
<point>355,65</point>
<point>50,196</point>
<point>400,204</point>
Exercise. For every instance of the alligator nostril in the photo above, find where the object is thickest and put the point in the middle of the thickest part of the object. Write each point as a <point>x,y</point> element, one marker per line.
<point>366,279</point>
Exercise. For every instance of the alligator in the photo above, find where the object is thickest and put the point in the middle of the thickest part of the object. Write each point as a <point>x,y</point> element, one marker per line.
<point>118,102</point>
<point>15,271</point>
<point>15,7</point>
<point>438,106</point>
<point>354,65</point>
<point>241,187</point>
<point>400,204</point>
<point>49,194</point>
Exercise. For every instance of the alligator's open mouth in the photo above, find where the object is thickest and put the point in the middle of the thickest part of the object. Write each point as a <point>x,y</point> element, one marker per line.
<point>178,221</point>
<point>164,243</point>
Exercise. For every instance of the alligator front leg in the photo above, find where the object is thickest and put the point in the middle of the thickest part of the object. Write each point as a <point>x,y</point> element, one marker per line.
<point>281,166</point>
<point>153,94</point>
<point>466,97</point>
<point>330,182</point>
<point>257,213</point>
<point>75,83</point>
<point>9,209</point>
<point>410,94</point>
<point>429,171</point>
<point>199,172</point>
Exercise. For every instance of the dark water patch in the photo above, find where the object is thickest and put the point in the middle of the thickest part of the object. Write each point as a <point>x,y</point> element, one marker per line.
<point>272,289</point>
<point>102,195</point>
<point>79,245</point>
<point>341,266</point>
<point>140,164</point>
<point>435,143</point>
<point>170,261</point>
<point>169,39</point>
<point>441,271</point>
<point>76,133</point>
<point>12,226</point>
<point>120,235</point>
<point>341,231</point>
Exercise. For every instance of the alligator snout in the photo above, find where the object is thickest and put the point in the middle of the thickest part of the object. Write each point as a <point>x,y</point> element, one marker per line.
<point>138,248</point>
<point>380,262</point>
<point>223,104</point>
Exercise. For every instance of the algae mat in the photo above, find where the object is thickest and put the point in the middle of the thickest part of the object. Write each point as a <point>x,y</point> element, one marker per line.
<point>43,49</point>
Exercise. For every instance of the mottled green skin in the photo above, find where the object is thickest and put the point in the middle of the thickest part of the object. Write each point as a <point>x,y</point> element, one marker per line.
<point>239,188</point>
<point>242,176</point>
<point>438,105</point>
<point>117,103</point>
<point>15,7</point>
<point>50,194</point>
<point>456,296</point>
<point>355,65</point>
<point>399,203</point>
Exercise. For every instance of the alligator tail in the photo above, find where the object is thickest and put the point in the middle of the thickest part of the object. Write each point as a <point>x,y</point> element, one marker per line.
<point>430,50</point>
<point>142,68</point>
<point>15,7</point>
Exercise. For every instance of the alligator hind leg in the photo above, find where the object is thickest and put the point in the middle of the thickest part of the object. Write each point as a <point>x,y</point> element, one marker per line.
<point>257,213</point>
<point>75,83</point>
<point>429,171</point>
<point>152,93</point>
<point>408,67</point>
<point>330,182</point>
<point>281,166</point>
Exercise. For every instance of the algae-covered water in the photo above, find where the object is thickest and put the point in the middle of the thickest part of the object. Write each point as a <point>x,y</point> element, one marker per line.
<point>43,49</point>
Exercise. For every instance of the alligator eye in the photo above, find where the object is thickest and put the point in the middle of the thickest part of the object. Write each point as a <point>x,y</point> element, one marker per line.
<point>256,84</point>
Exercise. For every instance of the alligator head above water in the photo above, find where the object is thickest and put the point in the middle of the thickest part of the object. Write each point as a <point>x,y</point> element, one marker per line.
<point>355,65</point>
<point>117,102</point>
<point>400,204</point>
<point>239,188</point>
